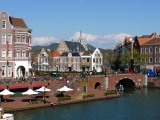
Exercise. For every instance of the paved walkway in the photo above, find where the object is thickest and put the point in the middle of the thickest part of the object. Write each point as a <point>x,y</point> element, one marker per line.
<point>21,103</point>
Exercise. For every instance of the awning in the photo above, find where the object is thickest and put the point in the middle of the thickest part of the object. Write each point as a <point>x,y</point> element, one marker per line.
<point>19,87</point>
<point>85,66</point>
<point>40,85</point>
<point>1,88</point>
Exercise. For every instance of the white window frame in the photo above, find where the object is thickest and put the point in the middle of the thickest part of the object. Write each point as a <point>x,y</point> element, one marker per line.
<point>3,38</point>
<point>142,50</point>
<point>156,50</point>
<point>23,53</point>
<point>3,24</point>
<point>9,71</point>
<point>10,54</point>
<point>23,38</point>
<point>4,71</point>
<point>3,54</point>
<point>156,59</point>
<point>10,39</point>
<point>18,52</point>
<point>18,38</point>
<point>146,50</point>
<point>150,58</point>
<point>150,50</point>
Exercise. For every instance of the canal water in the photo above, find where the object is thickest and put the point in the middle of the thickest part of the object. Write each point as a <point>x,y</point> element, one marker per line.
<point>143,104</point>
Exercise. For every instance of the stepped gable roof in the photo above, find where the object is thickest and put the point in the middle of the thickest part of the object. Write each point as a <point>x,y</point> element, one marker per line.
<point>153,41</point>
<point>17,22</point>
<point>55,54</point>
<point>75,46</point>
<point>86,53</point>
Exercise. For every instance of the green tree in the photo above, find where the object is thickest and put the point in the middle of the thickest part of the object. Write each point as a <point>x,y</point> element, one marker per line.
<point>126,58</point>
<point>139,59</point>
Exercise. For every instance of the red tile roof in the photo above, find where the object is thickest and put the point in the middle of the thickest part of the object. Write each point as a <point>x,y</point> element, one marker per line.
<point>143,40</point>
<point>18,22</point>
<point>86,53</point>
<point>153,41</point>
<point>55,54</point>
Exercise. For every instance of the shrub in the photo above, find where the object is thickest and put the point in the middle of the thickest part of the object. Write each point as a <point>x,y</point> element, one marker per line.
<point>64,98</point>
<point>88,95</point>
<point>110,92</point>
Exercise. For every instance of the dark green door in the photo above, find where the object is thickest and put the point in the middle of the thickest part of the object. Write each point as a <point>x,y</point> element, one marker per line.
<point>84,89</point>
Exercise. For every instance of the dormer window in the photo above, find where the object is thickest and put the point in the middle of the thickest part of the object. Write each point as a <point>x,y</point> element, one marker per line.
<point>3,24</point>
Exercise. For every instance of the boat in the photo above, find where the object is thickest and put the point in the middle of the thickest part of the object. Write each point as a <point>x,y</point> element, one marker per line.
<point>5,116</point>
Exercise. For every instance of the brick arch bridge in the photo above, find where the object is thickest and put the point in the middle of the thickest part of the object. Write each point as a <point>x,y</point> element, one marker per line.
<point>109,82</point>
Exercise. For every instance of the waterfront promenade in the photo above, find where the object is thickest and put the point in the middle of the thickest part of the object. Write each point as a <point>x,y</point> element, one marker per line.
<point>22,103</point>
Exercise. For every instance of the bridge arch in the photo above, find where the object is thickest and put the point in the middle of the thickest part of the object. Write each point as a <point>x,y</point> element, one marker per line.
<point>97,85</point>
<point>126,82</point>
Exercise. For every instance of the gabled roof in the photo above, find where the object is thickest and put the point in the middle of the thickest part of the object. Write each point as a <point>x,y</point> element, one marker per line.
<point>75,46</point>
<point>49,54</point>
<point>17,22</point>
<point>143,41</point>
<point>55,54</point>
<point>153,41</point>
<point>86,53</point>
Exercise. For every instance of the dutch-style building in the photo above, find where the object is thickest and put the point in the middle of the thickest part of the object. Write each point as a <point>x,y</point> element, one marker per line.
<point>15,44</point>
<point>146,44</point>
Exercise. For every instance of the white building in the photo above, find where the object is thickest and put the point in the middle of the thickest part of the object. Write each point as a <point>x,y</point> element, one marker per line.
<point>97,60</point>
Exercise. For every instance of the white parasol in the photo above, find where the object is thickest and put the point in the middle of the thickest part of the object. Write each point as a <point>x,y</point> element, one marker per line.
<point>6,92</point>
<point>29,92</point>
<point>65,88</point>
<point>43,89</point>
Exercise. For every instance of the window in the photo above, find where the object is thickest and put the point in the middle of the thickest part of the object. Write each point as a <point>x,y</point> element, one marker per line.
<point>23,53</point>
<point>18,38</point>
<point>9,38</point>
<point>23,39</point>
<point>146,50</point>
<point>3,38</point>
<point>87,59</point>
<point>142,50</point>
<point>3,71</point>
<point>93,59</point>
<point>10,54</point>
<point>18,52</point>
<point>156,59</point>
<point>156,50</point>
<point>3,24</point>
<point>9,71</point>
<point>3,54</point>
<point>146,60</point>
<point>150,60</point>
<point>150,50</point>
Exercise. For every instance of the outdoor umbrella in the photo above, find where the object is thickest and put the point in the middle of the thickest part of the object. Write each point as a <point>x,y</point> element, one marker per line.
<point>65,88</point>
<point>43,89</point>
<point>6,92</point>
<point>29,92</point>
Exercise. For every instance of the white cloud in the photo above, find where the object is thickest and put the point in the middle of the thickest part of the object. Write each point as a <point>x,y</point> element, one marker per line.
<point>43,40</point>
<point>105,42</point>
<point>101,41</point>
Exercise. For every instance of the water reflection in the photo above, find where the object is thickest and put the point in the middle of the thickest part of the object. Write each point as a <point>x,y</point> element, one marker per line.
<point>134,104</point>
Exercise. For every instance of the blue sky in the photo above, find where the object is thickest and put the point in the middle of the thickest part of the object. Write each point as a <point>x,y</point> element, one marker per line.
<point>104,23</point>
